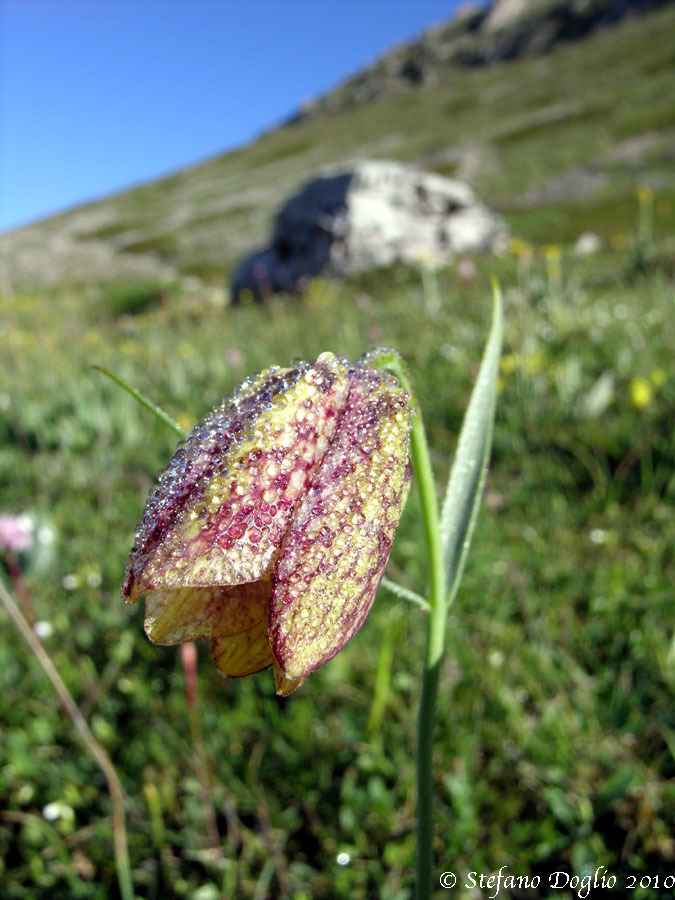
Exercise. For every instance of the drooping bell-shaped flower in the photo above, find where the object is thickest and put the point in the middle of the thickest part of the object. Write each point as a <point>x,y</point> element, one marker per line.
<point>271,526</point>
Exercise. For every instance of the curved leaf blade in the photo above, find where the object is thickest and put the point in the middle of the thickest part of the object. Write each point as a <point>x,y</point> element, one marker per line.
<point>469,468</point>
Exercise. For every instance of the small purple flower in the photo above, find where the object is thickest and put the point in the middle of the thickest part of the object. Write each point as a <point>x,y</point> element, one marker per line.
<point>271,526</point>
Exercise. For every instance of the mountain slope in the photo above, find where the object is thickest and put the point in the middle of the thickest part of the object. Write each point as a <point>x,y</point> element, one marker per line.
<point>479,36</point>
<point>582,124</point>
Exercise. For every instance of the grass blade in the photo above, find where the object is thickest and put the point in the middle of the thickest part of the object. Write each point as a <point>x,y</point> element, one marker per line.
<point>143,400</point>
<point>469,468</point>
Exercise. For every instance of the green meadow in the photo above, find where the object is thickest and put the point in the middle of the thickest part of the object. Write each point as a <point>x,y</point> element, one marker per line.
<point>555,742</point>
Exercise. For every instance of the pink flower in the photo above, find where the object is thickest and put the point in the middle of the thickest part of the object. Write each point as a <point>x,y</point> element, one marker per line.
<point>16,533</point>
<point>466,269</point>
<point>233,357</point>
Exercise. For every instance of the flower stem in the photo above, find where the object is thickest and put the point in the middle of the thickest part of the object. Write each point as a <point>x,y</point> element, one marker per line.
<point>188,656</point>
<point>96,749</point>
<point>433,655</point>
<point>435,636</point>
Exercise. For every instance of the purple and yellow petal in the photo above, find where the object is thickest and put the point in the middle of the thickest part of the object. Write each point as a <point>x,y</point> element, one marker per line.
<point>175,615</point>
<point>243,654</point>
<point>283,684</point>
<point>269,531</point>
<point>340,535</point>
<point>223,505</point>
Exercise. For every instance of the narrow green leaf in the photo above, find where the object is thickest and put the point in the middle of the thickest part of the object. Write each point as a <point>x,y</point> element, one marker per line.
<point>148,404</point>
<point>469,468</point>
<point>404,594</point>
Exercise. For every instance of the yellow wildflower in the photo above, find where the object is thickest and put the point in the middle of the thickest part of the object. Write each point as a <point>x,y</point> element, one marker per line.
<point>641,392</point>
<point>520,248</point>
<point>644,193</point>
<point>534,362</point>
<point>509,363</point>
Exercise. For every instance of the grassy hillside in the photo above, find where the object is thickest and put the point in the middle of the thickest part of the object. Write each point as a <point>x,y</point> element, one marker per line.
<point>556,736</point>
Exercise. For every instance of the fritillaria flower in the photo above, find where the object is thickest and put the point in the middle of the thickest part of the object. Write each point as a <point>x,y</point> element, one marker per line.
<point>271,526</point>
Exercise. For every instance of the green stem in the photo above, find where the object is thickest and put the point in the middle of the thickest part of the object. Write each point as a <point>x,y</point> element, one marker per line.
<point>435,636</point>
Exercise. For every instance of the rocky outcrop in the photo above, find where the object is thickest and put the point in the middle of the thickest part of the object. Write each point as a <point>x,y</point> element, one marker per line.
<point>477,36</point>
<point>370,215</point>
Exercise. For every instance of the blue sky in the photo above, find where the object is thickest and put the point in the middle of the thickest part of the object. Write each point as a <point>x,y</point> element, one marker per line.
<point>97,95</point>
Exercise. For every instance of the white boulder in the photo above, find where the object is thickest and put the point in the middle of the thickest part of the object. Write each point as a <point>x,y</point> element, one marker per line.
<point>373,214</point>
